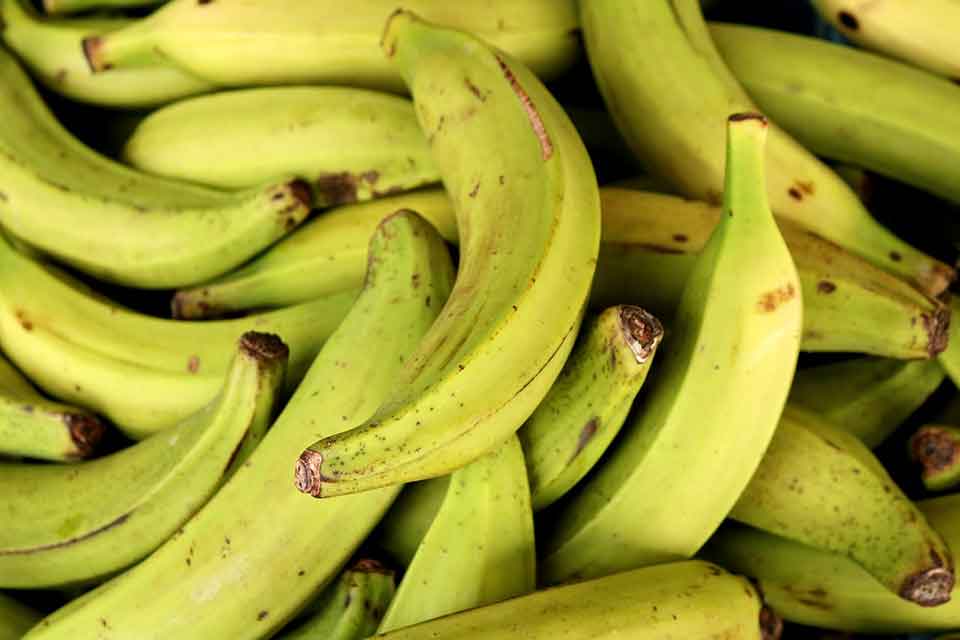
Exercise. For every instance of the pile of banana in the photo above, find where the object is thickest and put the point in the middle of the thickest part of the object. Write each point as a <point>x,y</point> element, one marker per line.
<point>325,323</point>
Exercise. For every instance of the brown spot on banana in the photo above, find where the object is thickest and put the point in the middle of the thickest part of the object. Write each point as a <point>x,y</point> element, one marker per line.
<point>771,300</point>
<point>771,625</point>
<point>929,587</point>
<point>641,330</point>
<point>826,287</point>
<point>586,434</point>
<point>308,477</point>
<point>86,432</point>
<point>546,146</point>
<point>934,448</point>
<point>848,20</point>
<point>937,325</point>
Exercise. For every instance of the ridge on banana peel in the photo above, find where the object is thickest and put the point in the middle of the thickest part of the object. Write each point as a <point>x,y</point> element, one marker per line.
<point>118,224</point>
<point>122,506</point>
<point>513,314</point>
<point>242,573</point>
<point>710,412</point>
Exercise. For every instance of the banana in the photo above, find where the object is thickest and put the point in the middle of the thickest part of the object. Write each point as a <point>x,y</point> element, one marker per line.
<point>513,315</point>
<point>143,373</point>
<point>710,413</point>
<point>849,105</point>
<point>349,609</point>
<point>587,405</point>
<point>936,448</point>
<point>70,524</point>
<point>922,32</point>
<point>284,548</point>
<point>867,397</point>
<point>77,6</point>
<point>51,50</point>
<point>290,42</point>
<point>669,98</point>
<point>821,486</point>
<point>352,144</point>
<point>15,618</point>
<point>950,357</point>
<point>479,548</point>
<point>692,599</point>
<point>118,224</point>
<point>406,523</point>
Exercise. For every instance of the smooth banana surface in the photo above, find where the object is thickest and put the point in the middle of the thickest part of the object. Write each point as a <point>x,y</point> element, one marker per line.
<point>513,315</point>
<point>403,527</point>
<point>15,618</point>
<point>936,448</point>
<point>950,357</point>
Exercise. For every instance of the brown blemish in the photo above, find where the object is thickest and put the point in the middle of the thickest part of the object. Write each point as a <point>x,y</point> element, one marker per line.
<point>770,300</point>
<point>811,598</point>
<point>60,76</point>
<point>91,50</point>
<point>679,237</point>
<point>474,191</point>
<point>748,115</point>
<point>928,588</point>
<point>937,326</point>
<point>336,188</point>
<point>795,193</point>
<point>24,322</point>
<point>546,146</point>
<point>308,476</point>
<point>193,364</point>
<point>935,449</point>
<point>370,176</point>
<point>475,90</point>
<point>586,434</point>
<point>848,20</point>
<point>262,615</point>
<point>369,565</point>
<point>806,186</point>
<point>204,1</point>
<point>825,286</point>
<point>85,432</point>
<point>265,347</point>
<point>896,257</point>
<point>771,625</point>
<point>3,196</point>
<point>641,331</point>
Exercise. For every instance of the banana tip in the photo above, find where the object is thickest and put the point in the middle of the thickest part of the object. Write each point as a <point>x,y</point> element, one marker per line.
<point>771,625</point>
<point>264,347</point>
<point>86,432</point>
<point>938,328</point>
<point>936,449</point>
<point>308,477</point>
<point>641,330</point>
<point>92,46</point>
<point>928,588</point>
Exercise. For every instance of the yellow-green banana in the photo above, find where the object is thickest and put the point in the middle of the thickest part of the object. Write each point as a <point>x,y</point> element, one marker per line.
<point>587,405</point>
<point>68,524</point>
<point>723,376</point>
<point>850,105</point>
<point>350,144</point>
<point>403,527</point>
<point>232,42</point>
<point>119,224</point>
<point>255,554</point>
<point>479,548</point>
<point>15,618</point>
<point>528,215</point>
<point>670,97</point>
<point>950,357</point>
<point>936,448</point>
<point>868,397</point>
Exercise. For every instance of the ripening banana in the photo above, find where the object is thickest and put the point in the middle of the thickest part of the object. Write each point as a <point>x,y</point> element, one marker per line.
<point>51,49</point>
<point>867,397</point>
<point>284,547</point>
<point>350,144</point>
<point>73,523</point>
<point>528,216</point>
<point>587,405</point>
<point>479,548</point>
<point>708,415</point>
<point>78,6</point>
<point>232,42</point>
<point>15,618</point>
<point>950,357</point>
<point>922,32</point>
<point>936,448</point>
<point>402,528</point>
<point>116,223</point>
<point>670,98</point>
<point>850,105</point>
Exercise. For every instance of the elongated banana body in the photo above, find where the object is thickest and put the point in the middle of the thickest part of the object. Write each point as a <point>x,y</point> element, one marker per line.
<point>15,618</point>
<point>670,98</point>
<point>693,599</point>
<point>409,518</point>
<point>259,550</point>
<point>513,315</point>
<point>950,357</point>
<point>936,448</point>
<point>120,507</point>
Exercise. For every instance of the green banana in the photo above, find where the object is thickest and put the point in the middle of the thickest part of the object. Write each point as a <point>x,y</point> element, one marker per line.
<point>143,373</point>
<point>118,224</point>
<point>849,105</point>
<point>711,411</point>
<point>949,358</point>
<point>349,609</point>
<point>406,523</point>
<point>587,405</point>
<point>34,427</point>
<point>513,315</point>
<point>70,524</point>
<point>669,98</point>
<point>51,50</point>
<point>351,144</point>
<point>76,6</point>
<point>867,397</point>
<point>290,42</point>
<point>692,599</point>
<point>922,32</point>
<point>15,618</point>
<point>479,548</point>
<point>936,448</point>
<point>821,486</point>
<point>284,548</point>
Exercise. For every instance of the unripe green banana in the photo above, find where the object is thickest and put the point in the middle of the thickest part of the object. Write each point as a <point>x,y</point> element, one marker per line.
<point>710,412</point>
<point>587,405</point>
<point>409,518</point>
<point>77,6</point>
<point>15,618</point>
<point>670,97</point>
<point>821,486</point>
<point>936,448</point>
<point>70,524</point>
<point>867,397</point>
<point>350,144</point>
<point>514,313</point>
<point>479,548</point>
<point>950,357</point>
<point>284,547</point>
<point>34,427</point>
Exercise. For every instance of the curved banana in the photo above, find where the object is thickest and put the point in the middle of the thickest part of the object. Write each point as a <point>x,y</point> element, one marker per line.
<point>122,506</point>
<point>950,357</point>
<point>350,144</point>
<point>867,397</point>
<point>515,309</point>
<point>936,448</point>
<point>15,618</point>
<point>77,6</point>
<point>849,105</point>
<point>710,412</point>
<point>406,523</point>
<point>922,32</point>
<point>479,548</point>
<point>587,405</point>
<point>118,224</point>
<point>669,98</point>
<point>291,42</point>
<point>283,547</point>
<point>52,51</point>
